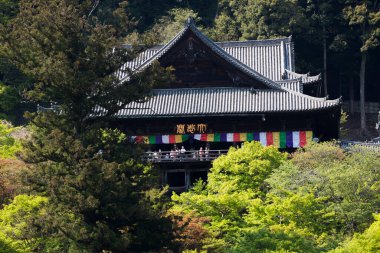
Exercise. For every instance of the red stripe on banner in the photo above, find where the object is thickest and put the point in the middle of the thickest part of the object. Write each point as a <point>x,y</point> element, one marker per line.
<point>302,138</point>
<point>171,139</point>
<point>237,137</point>
<point>139,139</point>
<point>203,137</point>
<point>269,138</point>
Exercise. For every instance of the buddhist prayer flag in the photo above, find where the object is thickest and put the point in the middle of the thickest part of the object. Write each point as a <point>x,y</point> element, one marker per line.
<point>282,140</point>
<point>249,136</point>
<point>303,140</point>
<point>223,137</point>
<point>309,135</point>
<point>263,138</point>
<point>296,139</point>
<point>269,138</point>
<point>217,137</point>
<point>165,139</point>
<point>243,136</point>
<point>276,139</point>
<point>210,137</point>
<point>289,139</point>
<point>230,137</point>
<point>256,136</point>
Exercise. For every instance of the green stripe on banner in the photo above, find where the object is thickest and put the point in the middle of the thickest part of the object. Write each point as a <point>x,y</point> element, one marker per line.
<point>282,139</point>
<point>152,139</point>
<point>217,137</point>
<point>185,137</point>
<point>249,136</point>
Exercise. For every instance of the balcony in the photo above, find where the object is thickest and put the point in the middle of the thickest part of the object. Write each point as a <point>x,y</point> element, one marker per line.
<point>187,156</point>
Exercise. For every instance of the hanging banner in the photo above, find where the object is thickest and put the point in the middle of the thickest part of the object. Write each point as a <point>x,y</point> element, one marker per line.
<point>289,139</point>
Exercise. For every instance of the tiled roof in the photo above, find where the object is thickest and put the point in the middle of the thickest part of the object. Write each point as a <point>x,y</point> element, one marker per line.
<point>273,58</point>
<point>189,102</point>
<point>213,47</point>
<point>306,78</point>
<point>292,84</point>
<point>268,57</point>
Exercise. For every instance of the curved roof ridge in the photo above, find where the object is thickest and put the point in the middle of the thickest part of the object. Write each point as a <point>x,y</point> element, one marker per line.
<point>201,88</point>
<point>322,99</point>
<point>296,93</point>
<point>214,47</point>
<point>159,53</point>
<point>299,79</point>
<point>302,75</point>
<point>217,49</point>
<point>296,74</point>
<point>306,78</point>
<point>274,41</point>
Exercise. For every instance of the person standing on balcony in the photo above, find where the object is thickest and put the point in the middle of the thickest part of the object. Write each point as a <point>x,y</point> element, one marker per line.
<point>378,124</point>
<point>201,153</point>
<point>183,151</point>
<point>159,154</point>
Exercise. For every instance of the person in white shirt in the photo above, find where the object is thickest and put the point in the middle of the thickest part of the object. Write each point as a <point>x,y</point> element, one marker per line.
<point>182,151</point>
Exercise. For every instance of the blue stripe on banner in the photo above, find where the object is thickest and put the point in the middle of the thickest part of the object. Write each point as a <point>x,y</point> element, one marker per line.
<point>289,139</point>
<point>223,137</point>
<point>256,136</point>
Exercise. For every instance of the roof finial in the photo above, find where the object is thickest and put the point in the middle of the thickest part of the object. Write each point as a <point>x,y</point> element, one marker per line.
<point>190,21</point>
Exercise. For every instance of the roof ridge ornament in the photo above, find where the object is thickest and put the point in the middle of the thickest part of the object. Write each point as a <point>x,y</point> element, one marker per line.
<point>189,21</point>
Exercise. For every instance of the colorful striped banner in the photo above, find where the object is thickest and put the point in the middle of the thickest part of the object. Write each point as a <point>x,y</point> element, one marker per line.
<point>289,139</point>
<point>276,139</point>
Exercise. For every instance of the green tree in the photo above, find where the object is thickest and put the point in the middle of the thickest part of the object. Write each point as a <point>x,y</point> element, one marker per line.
<point>168,26</point>
<point>257,201</point>
<point>368,241</point>
<point>19,230</point>
<point>324,17</point>
<point>234,182</point>
<point>260,19</point>
<point>8,10</point>
<point>9,146</point>
<point>348,181</point>
<point>365,17</point>
<point>12,82</point>
<point>13,223</point>
<point>75,157</point>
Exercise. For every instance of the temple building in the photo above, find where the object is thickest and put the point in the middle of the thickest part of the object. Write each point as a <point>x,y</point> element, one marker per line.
<point>224,93</point>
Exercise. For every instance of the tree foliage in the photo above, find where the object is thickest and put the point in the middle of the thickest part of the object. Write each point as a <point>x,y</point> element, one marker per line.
<point>81,163</point>
<point>368,241</point>
<point>257,201</point>
<point>234,183</point>
<point>348,181</point>
<point>14,228</point>
<point>9,146</point>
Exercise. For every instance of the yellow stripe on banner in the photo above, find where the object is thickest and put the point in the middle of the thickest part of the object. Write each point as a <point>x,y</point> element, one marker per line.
<point>210,137</point>
<point>145,140</point>
<point>276,139</point>
<point>243,136</point>
<point>309,136</point>
<point>178,138</point>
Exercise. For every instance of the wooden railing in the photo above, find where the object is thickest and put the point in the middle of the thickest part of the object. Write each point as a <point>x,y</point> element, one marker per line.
<point>187,156</point>
<point>359,146</point>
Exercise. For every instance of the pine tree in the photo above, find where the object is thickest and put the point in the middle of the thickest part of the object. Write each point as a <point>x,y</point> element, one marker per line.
<point>365,17</point>
<point>100,196</point>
